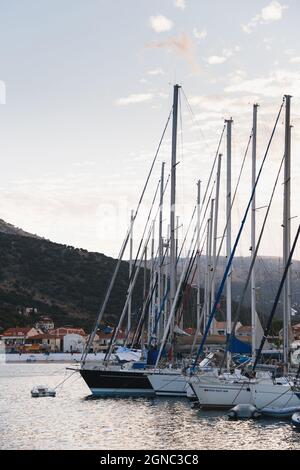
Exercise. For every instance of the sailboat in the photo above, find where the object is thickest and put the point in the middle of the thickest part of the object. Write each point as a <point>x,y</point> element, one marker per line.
<point>214,389</point>
<point>260,389</point>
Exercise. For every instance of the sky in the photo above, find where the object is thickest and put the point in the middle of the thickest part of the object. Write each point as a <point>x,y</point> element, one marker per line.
<point>85,91</point>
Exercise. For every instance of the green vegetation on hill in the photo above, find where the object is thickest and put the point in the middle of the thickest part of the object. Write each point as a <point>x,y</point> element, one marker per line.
<point>63,282</point>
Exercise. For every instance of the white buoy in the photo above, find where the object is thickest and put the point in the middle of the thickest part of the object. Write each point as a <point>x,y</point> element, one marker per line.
<point>296,420</point>
<point>243,412</point>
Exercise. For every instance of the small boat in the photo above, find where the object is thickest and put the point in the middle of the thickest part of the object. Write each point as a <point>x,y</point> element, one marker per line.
<point>243,411</point>
<point>296,420</point>
<point>280,412</point>
<point>42,391</point>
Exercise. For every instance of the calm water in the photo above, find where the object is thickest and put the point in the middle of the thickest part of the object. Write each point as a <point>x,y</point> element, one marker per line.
<point>71,421</point>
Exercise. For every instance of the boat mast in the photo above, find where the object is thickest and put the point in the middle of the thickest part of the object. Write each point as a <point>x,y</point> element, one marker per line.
<point>151,282</point>
<point>167,278</point>
<point>215,237</point>
<point>130,272</point>
<point>198,255</point>
<point>209,261</point>
<point>228,232</point>
<point>253,233</point>
<point>173,198</point>
<point>205,303</point>
<point>160,249</point>
<point>144,293</point>
<point>287,232</point>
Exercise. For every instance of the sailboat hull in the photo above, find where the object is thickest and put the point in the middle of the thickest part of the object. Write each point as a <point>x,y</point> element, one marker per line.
<point>168,384</point>
<point>117,383</point>
<point>274,396</point>
<point>214,394</point>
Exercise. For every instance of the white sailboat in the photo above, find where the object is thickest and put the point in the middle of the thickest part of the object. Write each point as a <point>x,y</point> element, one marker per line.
<point>231,389</point>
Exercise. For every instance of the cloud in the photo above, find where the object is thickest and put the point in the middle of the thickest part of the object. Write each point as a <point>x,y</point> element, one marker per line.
<point>276,84</point>
<point>270,13</point>
<point>156,72</point>
<point>181,45</point>
<point>199,34</point>
<point>216,59</point>
<point>160,23</point>
<point>220,59</point>
<point>134,98</point>
<point>295,60</point>
<point>180,4</point>
<point>218,104</point>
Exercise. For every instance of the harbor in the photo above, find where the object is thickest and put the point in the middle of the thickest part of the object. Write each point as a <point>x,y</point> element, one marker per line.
<point>150,239</point>
<point>71,420</point>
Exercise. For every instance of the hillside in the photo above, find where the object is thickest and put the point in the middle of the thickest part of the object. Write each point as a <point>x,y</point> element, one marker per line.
<point>10,229</point>
<point>69,284</point>
<point>64,282</point>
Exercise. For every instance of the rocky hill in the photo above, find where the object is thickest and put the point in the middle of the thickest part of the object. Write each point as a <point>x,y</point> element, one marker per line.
<point>63,282</point>
<point>69,284</point>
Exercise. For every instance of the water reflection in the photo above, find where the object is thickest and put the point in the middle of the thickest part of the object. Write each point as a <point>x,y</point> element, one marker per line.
<point>76,420</point>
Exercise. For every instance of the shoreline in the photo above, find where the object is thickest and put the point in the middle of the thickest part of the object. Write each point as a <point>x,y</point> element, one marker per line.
<point>48,358</point>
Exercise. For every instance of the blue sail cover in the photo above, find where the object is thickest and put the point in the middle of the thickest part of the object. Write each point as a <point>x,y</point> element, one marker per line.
<point>238,346</point>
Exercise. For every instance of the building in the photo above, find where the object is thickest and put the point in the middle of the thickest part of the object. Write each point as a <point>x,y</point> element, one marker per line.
<point>45,324</point>
<point>16,338</point>
<point>62,331</point>
<point>44,342</point>
<point>296,331</point>
<point>73,342</point>
<point>102,340</point>
<point>27,311</point>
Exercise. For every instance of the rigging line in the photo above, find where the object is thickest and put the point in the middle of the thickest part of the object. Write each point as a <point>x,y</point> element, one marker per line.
<point>203,306</point>
<point>158,313</point>
<point>187,292</point>
<point>129,292</point>
<point>185,283</point>
<point>144,231</point>
<point>174,304</point>
<point>196,121</point>
<point>141,241</point>
<point>122,250</point>
<point>238,311</point>
<point>212,277</point>
<point>69,376</point>
<point>273,311</point>
<point>279,396</point>
<point>155,266</point>
<point>229,262</point>
<point>267,271</point>
<point>196,229</point>
<point>192,247</point>
<point>212,168</point>
<point>146,305</point>
<point>187,232</point>
<point>134,276</point>
<point>231,207</point>
<point>156,260</point>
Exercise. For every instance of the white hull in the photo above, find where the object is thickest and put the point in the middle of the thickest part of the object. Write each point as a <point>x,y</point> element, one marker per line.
<point>220,394</point>
<point>269,395</point>
<point>168,383</point>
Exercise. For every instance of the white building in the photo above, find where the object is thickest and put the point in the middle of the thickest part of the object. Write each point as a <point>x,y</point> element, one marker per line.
<point>45,324</point>
<point>73,342</point>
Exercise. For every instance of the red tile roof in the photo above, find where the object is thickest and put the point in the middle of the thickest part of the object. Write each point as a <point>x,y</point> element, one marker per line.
<point>16,331</point>
<point>44,336</point>
<point>65,331</point>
